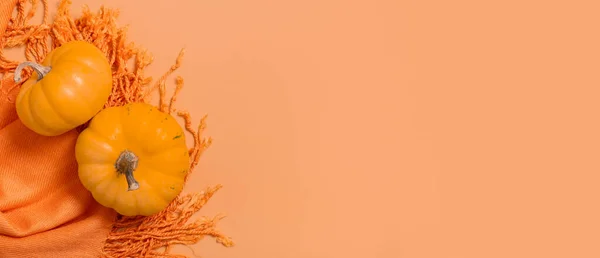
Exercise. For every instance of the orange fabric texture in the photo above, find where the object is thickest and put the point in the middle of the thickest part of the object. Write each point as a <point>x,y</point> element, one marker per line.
<point>46,212</point>
<point>44,209</point>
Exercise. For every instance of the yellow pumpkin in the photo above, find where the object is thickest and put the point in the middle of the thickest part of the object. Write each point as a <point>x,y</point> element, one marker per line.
<point>72,84</point>
<point>133,158</point>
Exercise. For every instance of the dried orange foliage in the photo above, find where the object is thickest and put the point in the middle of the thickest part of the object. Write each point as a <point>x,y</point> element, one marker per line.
<point>131,236</point>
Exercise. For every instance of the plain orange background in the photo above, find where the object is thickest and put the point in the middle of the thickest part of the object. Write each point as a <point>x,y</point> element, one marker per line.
<point>388,129</point>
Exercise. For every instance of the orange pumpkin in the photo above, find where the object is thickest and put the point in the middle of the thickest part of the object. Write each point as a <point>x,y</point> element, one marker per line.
<point>133,158</point>
<point>72,84</point>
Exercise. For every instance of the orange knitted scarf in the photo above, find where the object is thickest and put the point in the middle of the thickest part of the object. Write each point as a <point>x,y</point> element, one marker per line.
<point>108,234</point>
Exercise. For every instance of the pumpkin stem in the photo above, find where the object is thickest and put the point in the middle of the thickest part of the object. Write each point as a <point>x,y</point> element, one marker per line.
<point>38,68</point>
<point>126,163</point>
